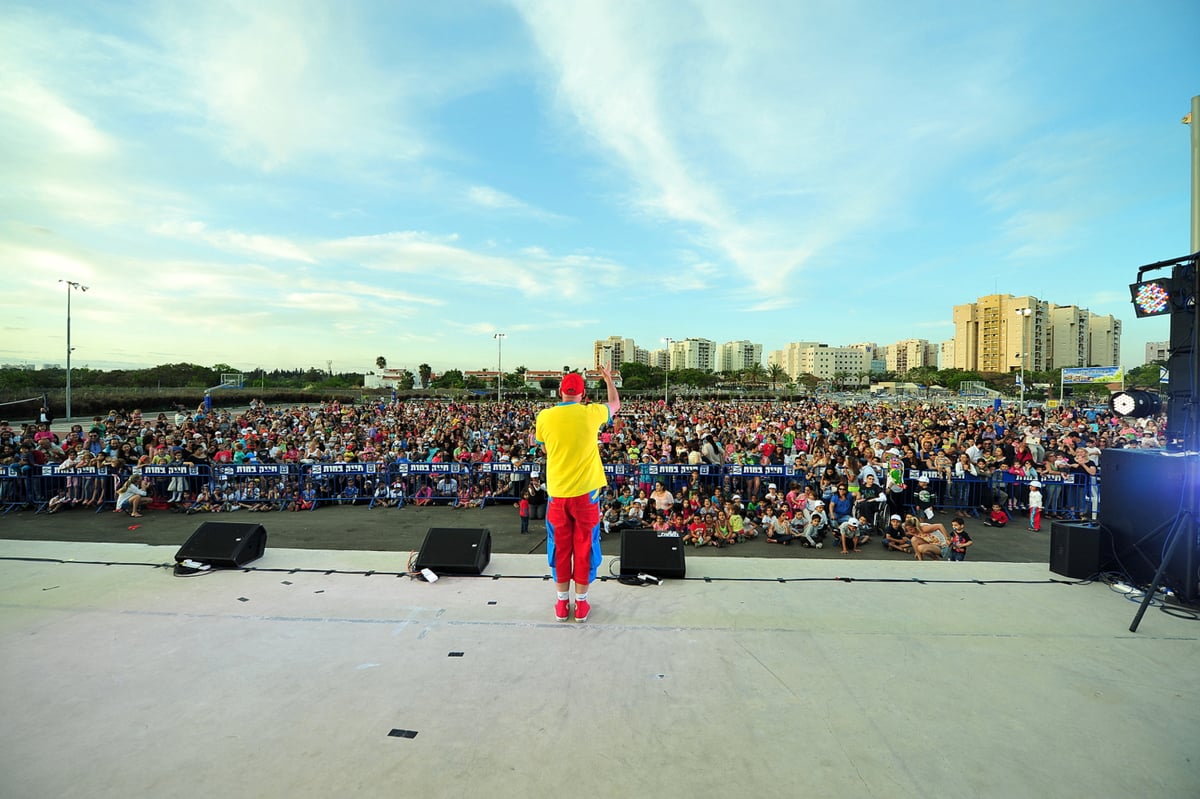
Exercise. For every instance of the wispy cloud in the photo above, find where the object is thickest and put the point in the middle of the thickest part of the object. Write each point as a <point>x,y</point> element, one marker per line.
<point>729,120</point>
<point>274,247</point>
<point>494,199</point>
<point>282,82</point>
<point>535,274</point>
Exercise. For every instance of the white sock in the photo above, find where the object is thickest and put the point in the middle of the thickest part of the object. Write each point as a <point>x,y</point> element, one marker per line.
<point>563,596</point>
<point>583,597</point>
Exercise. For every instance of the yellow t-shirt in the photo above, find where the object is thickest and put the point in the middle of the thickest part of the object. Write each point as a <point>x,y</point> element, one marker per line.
<point>568,431</point>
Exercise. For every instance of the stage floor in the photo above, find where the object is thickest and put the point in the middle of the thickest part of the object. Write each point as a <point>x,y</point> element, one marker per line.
<point>1002,681</point>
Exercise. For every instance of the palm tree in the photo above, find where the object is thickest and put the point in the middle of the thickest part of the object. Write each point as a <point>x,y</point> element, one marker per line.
<point>777,374</point>
<point>381,362</point>
<point>754,374</point>
<point>425,372</point>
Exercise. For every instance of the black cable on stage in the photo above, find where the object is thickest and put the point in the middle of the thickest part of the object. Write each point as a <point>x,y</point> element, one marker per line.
<point>602,578</point>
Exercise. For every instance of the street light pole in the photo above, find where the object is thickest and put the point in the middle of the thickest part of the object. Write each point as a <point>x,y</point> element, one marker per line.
<point>71,286</point>
<point>1024,313</point>
<point>667,371</point>
<point>499,365</point>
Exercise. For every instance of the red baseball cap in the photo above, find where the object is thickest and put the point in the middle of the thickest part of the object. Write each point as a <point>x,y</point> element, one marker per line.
<point>572,385</point>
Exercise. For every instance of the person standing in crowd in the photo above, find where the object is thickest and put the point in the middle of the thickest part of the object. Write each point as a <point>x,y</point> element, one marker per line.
<point>537,499</point>
<point>575,480</point>
<point>960,539</point>
<point>1035,506</point>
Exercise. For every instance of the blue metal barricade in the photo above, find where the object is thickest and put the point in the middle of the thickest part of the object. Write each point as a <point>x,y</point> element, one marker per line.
<point>263,486</point>
<point>499,482</point>
<point>342,483</point>
<point>175,484</point>
<point>431,483</point>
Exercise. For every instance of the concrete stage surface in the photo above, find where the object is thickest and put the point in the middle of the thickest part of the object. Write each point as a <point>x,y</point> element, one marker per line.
<point>126,681</point>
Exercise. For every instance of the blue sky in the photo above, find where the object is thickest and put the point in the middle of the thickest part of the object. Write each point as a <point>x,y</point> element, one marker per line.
<point>281,184</point>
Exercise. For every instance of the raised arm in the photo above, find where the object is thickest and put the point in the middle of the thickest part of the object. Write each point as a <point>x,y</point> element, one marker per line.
<point>614,399</point>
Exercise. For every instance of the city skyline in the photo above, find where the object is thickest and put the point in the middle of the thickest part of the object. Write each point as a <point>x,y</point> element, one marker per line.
<point>278,185</point>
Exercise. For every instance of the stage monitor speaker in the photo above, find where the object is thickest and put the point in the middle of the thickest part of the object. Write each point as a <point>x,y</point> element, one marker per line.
<point>650,552</point>
<point>1075,549</point>
<point>227,544</point>
<point>455,550</point>
<point>1141,494</point>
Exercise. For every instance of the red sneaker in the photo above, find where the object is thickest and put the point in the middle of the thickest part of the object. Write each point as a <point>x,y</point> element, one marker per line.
<point>560,610</point>
<point>582,608</point>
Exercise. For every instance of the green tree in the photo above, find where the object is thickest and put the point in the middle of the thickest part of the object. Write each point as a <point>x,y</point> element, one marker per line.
<point>425,372</point>
<point>451,378</point>
<point>777,374</point>
<point>754,375</point>
<point>381,362</point>
<point>1144,376</point>
<point>406,380</point>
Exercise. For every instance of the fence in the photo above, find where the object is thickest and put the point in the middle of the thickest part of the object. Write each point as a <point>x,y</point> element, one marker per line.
<point>308,486</point>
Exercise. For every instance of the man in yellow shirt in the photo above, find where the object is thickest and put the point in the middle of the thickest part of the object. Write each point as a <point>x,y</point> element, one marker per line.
<point>575,480</point>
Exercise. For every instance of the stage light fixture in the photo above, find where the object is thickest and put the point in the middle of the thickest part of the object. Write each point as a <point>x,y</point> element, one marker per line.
<point>1152,297</point>
<point>1135,403</point>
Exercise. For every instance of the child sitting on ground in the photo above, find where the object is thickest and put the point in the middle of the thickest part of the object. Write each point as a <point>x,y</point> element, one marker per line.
<point>997,517</point>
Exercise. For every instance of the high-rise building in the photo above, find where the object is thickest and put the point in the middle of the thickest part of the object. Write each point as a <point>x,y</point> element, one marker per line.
<point>614,351</point>
<point>693,353</point>
<point>1104,333</point>
<point>911,353</point>
<point>1068,336</point>
<point>790,357</point>
<point>734,356</point>
<point>1157,351</point>
<point>946,354</point>
<point>999,332</point>
<point>995,334</point>
<point>849,364</point>
<point>876,356</point>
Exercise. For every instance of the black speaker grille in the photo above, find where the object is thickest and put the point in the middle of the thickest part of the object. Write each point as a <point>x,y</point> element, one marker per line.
<point>455,550</point>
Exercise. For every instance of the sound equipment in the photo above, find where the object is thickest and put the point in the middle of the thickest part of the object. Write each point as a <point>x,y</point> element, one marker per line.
<point>1141,493</point>
<point>224,544</point>
<point>651,552</point>
<point>455,550</point>
<point>1075,549</point>
<point>1182,359</point>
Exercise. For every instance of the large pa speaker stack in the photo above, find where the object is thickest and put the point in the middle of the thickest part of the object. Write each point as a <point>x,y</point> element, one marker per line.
<point>1181,360</point>
<point>651,552</point>
<point>227,544</point>
<point>455,550</point>
<point>1141,493</point>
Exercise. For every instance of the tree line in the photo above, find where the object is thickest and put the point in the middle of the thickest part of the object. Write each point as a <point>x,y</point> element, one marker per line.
<point>19,383</point>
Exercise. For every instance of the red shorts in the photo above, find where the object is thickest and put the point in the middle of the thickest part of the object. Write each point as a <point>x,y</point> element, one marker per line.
<point>573,537</point>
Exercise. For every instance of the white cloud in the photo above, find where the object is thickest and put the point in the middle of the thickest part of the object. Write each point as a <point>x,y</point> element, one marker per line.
<point>282,82</point>
<point>534,274</point>
<point>273,247</point>
<point>757,128</point>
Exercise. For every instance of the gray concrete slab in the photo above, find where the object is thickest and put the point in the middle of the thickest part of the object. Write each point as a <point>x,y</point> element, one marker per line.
<point>989,680</point>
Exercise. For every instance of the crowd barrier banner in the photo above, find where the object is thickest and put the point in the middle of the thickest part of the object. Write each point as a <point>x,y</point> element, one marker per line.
<point>278,485</point>
<point>501,481</point>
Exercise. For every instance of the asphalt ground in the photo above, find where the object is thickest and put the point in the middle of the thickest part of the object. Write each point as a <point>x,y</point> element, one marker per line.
<point>404,529</point>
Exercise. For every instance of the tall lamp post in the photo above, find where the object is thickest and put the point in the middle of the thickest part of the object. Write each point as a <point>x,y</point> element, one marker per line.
<point>667,371</point>
<point>1024,313</point>
<point>72,285</point>
<point>499,365</point>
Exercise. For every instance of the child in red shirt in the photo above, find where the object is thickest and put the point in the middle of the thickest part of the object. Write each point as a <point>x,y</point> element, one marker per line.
<point>997,518</point>
<point>523,511</point>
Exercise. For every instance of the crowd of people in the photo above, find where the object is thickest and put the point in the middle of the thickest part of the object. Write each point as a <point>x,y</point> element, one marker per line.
<point>849,477</point>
